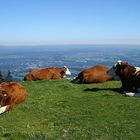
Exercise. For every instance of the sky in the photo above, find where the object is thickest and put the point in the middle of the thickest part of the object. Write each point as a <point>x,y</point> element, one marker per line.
<point>40,22</point>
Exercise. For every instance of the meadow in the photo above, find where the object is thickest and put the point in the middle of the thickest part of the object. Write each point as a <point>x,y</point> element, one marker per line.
<point>61,110</point>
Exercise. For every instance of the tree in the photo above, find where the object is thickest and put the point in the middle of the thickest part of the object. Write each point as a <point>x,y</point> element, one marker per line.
<point>1,77</point>
<point>9,77</point>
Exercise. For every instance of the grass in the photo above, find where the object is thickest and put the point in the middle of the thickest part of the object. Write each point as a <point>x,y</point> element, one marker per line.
<point>61,110</point>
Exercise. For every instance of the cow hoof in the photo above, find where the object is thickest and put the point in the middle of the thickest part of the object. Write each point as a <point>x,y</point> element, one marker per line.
<point>129,94</point>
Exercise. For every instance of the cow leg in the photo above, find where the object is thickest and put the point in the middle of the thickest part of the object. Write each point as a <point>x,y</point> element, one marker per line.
<point>5,108</point>
<point>124,86</point>
<point>123,90</point>
<point>127,86</point>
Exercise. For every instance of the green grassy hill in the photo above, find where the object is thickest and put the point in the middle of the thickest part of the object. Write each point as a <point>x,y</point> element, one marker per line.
<point>61,110</point>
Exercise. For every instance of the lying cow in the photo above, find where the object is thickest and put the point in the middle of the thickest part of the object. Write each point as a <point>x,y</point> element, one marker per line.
<point>129,76</point>
<point>11,94</point>
<point>95,74</point>
<point>47,74</point>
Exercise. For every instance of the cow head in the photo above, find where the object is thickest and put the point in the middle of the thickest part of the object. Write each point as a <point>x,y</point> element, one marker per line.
<point>3,93</point>
<point>3,96</point>
<point>67,71</point>
<point>114,71</point>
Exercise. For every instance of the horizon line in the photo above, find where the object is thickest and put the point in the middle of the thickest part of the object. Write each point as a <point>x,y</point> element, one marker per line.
<point>67,44</point>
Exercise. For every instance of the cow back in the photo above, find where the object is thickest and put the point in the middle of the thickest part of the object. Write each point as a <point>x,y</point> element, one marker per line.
<point>95,74</point>
<point>45,74</point>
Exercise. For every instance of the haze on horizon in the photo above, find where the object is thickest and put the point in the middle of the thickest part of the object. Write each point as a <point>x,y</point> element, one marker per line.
<point>39,22</point>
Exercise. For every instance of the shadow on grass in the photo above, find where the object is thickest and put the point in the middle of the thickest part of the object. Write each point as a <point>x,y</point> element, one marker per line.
<point>105,89</point>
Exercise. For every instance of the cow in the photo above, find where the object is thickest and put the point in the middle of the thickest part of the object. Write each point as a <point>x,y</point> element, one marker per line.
<point>95,74</point>
<point>129,76</point>
<point>11,94</point>
<point>47,74</point>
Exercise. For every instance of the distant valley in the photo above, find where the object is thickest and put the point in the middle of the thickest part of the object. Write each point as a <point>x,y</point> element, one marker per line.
<point>21,59</point>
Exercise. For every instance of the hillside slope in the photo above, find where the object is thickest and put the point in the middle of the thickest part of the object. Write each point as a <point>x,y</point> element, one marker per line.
<point>59,109</point>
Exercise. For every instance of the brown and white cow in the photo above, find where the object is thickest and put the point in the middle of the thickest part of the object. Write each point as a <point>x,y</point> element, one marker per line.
<point>11,94</point>
<point>47,74</point>
<point>95,74</point>
<point>129,76</point>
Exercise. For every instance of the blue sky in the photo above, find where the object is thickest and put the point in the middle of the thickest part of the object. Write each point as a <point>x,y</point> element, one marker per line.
<point>69,22</point>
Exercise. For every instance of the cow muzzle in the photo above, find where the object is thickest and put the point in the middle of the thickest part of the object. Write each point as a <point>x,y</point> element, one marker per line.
<point>68,72</point>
